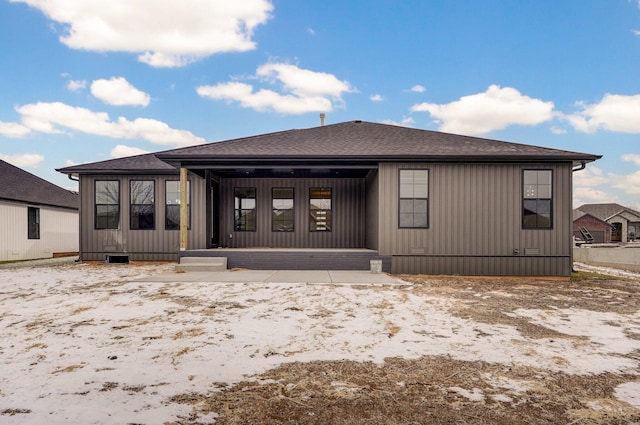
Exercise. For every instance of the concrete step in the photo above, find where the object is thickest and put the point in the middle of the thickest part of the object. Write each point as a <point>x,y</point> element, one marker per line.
<point>202,264</point>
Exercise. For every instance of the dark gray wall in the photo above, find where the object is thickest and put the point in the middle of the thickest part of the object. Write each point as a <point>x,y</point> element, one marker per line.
<point>372,209</point>
<point>348,224</point>
<point>475,223</point>
<point>150,245</point>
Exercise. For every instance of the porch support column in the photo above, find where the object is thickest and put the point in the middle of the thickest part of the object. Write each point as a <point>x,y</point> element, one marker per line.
<point>184,218</point>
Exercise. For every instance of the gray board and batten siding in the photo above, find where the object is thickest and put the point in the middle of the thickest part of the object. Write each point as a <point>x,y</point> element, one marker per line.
<point>475,222</point>
<point>156,244</point>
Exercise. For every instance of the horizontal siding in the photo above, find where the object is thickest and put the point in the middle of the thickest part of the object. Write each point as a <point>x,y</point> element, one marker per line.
<point>58,232</point>
<point>485,266</point>
<point>296,259</point>
<point>145,245</point>
<point>348,219</point>
<point>476,217</point>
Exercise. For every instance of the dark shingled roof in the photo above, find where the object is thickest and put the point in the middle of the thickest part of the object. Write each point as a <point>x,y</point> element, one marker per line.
<point>21,186</point>
<point>353,141</point>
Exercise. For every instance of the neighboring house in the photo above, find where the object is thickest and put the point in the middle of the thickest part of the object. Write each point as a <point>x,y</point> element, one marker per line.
<point>625,222</point>
<point>585,226</point>
<point>328,196</point>
<point>39,219</point>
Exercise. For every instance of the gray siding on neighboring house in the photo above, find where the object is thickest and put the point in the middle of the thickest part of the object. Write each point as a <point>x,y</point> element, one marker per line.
<point>348,224</point>
<point>141,245</point>
<point>475,222</point>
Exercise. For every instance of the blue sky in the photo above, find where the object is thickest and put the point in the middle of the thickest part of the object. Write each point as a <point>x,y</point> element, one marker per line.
<point>90,80</point>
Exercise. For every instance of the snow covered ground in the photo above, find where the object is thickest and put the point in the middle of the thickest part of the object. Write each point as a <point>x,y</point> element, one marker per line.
<point>88,344</point>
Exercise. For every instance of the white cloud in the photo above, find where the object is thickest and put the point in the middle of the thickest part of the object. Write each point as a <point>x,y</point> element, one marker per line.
<point>636,32</point>
<point>13,130</point>
<point>406,122</point>
<point>30,160</point>
<point>376,98</point>
<point>120,151</point>
<point>311,31</point>
<point>118,91</point>
<point>418,89</point>
<point>591,176</point>
<point>632,157</point>
<point>629,183</point>
<point>589,195</point>
<point>614,113</point>
<point>482,113</point>
<point>76,85</point>
<point>54,117</point>
<point>302,90</point>
<point>558,130</point>
<point>165,34</point>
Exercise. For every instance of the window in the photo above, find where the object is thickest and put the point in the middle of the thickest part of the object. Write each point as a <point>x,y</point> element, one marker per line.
<point>413,206</point>
<point>320,209</point>
<point>142,204</point>
<point>33,222</point>
<point>537,202</point>
<point>172,205</point>
<point>107,204</point>
<point>282,209</point>
<point>245,209</point>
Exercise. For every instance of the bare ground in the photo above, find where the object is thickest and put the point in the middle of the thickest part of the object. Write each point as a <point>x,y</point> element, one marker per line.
<point>440,390</point>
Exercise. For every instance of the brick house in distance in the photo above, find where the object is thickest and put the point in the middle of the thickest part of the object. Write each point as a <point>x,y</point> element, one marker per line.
<point>624,222</point>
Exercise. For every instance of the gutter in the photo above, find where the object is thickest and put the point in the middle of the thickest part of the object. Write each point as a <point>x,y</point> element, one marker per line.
<point>582,166</point>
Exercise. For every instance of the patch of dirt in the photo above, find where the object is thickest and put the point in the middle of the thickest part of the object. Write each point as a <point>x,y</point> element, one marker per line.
<point>431,390</point>
<point>439,390</point>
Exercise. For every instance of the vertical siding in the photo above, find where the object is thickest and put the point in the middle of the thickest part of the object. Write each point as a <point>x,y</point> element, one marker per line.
<point>348,202</point>
<point>475,223</point>
<point>372,203</point>
<point>58,232</point>
<point>157,244</point>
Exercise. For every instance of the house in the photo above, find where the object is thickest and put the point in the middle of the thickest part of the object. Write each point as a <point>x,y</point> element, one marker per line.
<point>624,222</point>
<point>590,229</point>
<point>39,219</point>
<point>336,196</point>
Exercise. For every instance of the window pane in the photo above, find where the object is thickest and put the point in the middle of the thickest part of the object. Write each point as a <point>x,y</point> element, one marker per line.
<point>420,220</point>
<point>413,202</point>
<point>420,206</point>
<point>406,220</point>
<point>544,177</point>
<point>544,191</point>
<point>406,206</point>
<point>282,210</point>
<point>530,177</point>
<point>142,204</point>
<point>33,223</point>
<point>531,191</point>
<point>245,209</point>
<point>107,204</point>
<point>107,192</point>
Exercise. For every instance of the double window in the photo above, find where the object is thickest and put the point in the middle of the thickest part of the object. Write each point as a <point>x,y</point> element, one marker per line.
<point>320,209</point>
<point>282,215</point>
<point>33,222</point>
<point>107,204</point>
<point>245,209</point>
<point>172,205</point>
<point>142,207</point>
<point>414,199</point>
<point>537,205</point>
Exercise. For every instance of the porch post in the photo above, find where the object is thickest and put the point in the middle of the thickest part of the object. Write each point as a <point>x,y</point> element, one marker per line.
<point>184,218</point>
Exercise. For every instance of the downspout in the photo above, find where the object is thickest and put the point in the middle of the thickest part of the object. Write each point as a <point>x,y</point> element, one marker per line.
<point>582,166</point>
<point>71,177</point>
